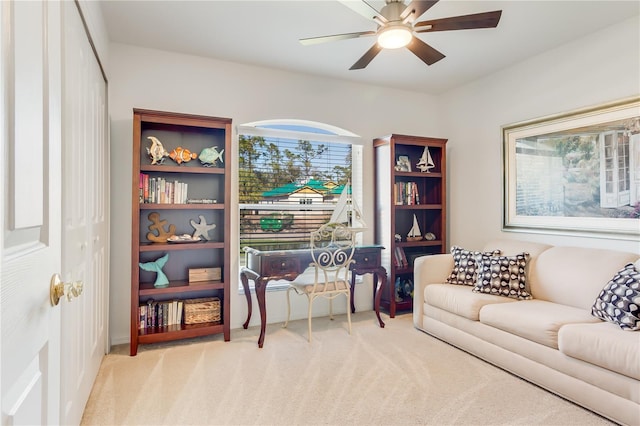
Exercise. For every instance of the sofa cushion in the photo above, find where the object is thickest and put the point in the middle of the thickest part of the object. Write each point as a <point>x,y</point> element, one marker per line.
<point>502,275</point>
<point>619,300</point>
<point>602,344</point>
<point>509,247</point>
<point>464,266</point>
<point>460,300</point>
<point>575,276</point>
<point>535,320</point>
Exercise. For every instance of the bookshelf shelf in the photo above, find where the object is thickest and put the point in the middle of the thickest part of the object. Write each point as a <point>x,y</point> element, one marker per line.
<point>147,289</point>
<point>149,206</point>
<point>175,332</point>
<point>183,169</point>
<point>418,206</point>
<point>435,243</point>
<point>147,247</point>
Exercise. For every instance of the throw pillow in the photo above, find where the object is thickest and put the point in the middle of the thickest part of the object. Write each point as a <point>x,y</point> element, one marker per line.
<point>619,300</point>
<point>464,266</point>
<point>502,275</point>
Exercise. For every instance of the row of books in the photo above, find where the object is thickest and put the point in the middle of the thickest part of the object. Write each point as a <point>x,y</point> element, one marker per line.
<point>157,190</point>
<point>406,193</point>
<point>400,258</point>
<point>160,314</point>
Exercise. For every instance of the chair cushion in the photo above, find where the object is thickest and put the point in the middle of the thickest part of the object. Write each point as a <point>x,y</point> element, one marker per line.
<point>339,285</point>
<point>305,281</point>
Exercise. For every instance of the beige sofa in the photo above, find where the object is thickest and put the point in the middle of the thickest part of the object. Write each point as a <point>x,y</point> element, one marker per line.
<point>551,340</point>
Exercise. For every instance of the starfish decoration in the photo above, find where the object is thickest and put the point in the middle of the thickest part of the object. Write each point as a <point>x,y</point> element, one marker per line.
<point>202,229</point>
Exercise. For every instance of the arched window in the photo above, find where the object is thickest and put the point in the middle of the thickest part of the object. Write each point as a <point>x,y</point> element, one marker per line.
<point>291,175</point>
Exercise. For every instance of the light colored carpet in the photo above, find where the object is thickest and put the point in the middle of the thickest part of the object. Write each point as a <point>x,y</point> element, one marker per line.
<point>391,376</point>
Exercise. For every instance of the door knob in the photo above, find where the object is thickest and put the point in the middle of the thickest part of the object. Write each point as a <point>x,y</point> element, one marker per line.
<point>59,289</point>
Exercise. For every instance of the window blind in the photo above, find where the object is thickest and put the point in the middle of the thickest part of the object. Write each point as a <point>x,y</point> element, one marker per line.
<point>288,187</point>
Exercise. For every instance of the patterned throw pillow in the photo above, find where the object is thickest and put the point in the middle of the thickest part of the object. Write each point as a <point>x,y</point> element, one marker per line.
<point>503,275</point>
<point>619,300</point>
<point>464,266</point>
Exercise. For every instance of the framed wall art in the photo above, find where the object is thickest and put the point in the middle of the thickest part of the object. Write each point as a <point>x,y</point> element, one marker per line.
<point>576,172</point>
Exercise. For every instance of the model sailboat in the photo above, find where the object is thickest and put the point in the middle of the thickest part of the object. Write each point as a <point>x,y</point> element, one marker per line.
<point>426,162</point>
<point>414,233</point>
<point>347,211</point>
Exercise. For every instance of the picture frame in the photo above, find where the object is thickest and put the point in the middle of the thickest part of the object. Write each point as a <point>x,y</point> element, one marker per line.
<point>574,173</point>
<point>403,164</point>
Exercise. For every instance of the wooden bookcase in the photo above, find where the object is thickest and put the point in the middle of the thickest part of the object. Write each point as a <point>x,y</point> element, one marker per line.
<point>401,194</point>
<point>212,184</point>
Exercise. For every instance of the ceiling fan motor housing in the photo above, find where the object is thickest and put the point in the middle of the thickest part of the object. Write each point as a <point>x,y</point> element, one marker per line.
<point>392,10</point>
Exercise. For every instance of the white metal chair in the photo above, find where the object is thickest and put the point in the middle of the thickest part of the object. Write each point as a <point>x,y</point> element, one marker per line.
<point>332,248</point>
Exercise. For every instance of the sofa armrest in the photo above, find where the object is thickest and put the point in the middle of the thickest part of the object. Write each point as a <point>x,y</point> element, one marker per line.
<point>432,269</point>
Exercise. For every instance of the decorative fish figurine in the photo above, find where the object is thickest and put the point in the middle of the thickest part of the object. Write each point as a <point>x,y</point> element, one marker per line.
<point>157,151</point>
<point>180,155</point>
<point>209,156</point>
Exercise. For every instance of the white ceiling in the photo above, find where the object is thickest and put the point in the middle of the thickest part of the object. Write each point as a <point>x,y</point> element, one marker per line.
<point>266,33</point>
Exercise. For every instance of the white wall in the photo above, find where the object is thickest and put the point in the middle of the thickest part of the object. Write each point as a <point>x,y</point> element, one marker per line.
<point>151,79</point>
<point>602,67</point>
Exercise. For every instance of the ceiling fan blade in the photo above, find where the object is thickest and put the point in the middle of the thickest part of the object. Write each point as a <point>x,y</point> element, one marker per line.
<point>367,57</point>
<point>422,50</point>
<point>324,39</point>
<point>416,8</point>
<point>364,9</point>
<point>464,22</point>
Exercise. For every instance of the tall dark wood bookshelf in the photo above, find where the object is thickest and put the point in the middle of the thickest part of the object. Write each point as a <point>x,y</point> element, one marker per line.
<point>399,196</point>
<point>208,191</point>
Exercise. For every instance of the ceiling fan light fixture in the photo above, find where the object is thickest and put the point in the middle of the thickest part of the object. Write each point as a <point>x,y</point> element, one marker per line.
<point>394,36</point>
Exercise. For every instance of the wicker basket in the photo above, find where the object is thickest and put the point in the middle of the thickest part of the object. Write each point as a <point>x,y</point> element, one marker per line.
<point>197,311</point>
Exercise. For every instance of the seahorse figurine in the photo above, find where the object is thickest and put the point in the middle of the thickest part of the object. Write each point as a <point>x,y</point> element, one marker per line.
<point>156,151</point>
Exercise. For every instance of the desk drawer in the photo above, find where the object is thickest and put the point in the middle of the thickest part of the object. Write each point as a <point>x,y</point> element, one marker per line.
<point>280,265</point>
<point>365,259</point>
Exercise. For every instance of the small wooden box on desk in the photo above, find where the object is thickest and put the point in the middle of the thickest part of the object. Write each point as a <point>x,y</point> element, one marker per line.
<point>404,196</point>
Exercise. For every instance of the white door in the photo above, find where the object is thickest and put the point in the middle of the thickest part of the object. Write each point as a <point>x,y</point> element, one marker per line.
<point>30,237</point>
<point>634,168</point>
<point>614,170</point>
<point>84,215</point>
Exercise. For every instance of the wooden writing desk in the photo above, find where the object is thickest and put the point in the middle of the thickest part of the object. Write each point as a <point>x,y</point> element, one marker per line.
<point>265,266</point>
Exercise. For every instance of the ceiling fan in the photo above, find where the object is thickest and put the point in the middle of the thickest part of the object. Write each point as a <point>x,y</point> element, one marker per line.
<point>397,28</point>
